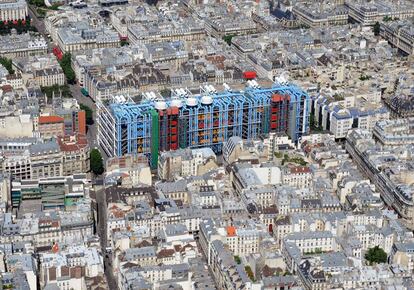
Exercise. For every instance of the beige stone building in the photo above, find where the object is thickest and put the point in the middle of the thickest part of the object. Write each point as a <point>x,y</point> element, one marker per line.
<point>49,76</point>
<point>46,160</point>
<point>75,153</point>
<point>13,10</point>
<point>51,126</point>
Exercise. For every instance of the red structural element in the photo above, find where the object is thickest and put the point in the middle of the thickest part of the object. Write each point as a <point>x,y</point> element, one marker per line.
<point>249,75</point>
<point>57,52</point>
<point>50,119</point>
<point>169,120</point>
<point>173,134</point>
<point>81,128</point>
<point>279,113</point>
<point>174,110</point>
<point>231,231</point>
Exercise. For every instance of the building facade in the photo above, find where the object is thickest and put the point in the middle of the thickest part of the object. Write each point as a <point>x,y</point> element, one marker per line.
<point>45,160</point>
<point>51,126</point>
<point>75,152</point>
<point>205,120</point>
<point>50,76</point>
<point>13,10</point>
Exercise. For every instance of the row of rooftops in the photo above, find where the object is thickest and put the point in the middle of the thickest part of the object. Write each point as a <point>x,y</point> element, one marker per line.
<point>380,6</point>
<point>36,147</point>
<point>184,98</point>
<point>25,41</point>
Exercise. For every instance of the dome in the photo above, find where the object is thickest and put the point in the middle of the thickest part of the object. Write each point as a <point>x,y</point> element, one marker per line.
<point>191,102</point>
<point>206,100</point>
<point>176,103</point>
<point>160,105</point>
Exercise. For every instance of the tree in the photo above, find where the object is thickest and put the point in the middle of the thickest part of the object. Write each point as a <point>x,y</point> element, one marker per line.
<point>124,42</point>
<point>7,63</point>
<point>88,113</point>
<point>376,255</point>
<point>237,259</point>
<point>55,6</point>
<point>250,273</point>
<point>37,3</point>
<point>96,162</point>
<point>66,64</point>
<point>376,28</point>
<point>228,38</point>
<point>57,90</point>
<point>364,77</point>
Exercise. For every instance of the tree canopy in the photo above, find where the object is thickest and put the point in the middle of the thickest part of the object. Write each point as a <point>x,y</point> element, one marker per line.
<point>57,90</point>
<point>250,273</point>
<point>66,64</point>
<point>21,26</point>
<point>96,162</point>
<point>7,63</point>
<point>376,255</point>
<point>376,28</point>
<point>237,259</point>
<point>228,38</point>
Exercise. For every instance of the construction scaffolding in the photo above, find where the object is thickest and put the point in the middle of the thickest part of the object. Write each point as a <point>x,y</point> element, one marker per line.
<point>207,119</point>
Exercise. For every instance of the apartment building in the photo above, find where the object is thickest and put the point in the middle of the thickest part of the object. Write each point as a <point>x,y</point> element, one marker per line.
<point>394,132</point>
<point>128,170</point>
<point>69,268</point>
<point>370,12</point>
<point>45,160</point>
<point>76,37</point>
<point>185,162</point>
<point>145,33</point>
<point>12,10</point>
<point>242,241</point>
<point>75,152</point>
<point>309,242</point>
<point>51,126</point>
<point>50,76</point>
<point>297,176</point>
<point>14,125</point>
<point>320,14</point>
<point>339,114</point>
<point>18,166</point>
<point>403,254</point>
<point>20,45</point>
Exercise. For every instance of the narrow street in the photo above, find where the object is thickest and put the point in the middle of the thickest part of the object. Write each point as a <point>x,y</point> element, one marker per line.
<point>101,230</point>
<point>91,136</point>
<point>92,130</point>
<point>40,26</point>
<point>100,195</point>
<point>36,22</point>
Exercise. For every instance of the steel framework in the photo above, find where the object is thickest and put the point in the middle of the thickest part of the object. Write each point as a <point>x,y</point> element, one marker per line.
<point>204,120</point>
